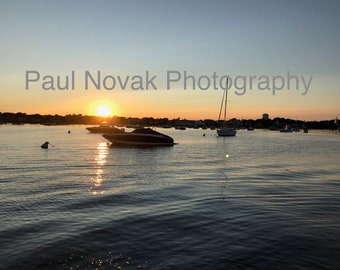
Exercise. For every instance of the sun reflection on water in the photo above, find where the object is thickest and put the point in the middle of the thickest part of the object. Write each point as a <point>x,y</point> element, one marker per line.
<point>100,162</point>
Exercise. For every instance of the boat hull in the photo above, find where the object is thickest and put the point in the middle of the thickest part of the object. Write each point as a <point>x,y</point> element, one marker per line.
<point>142,140</point>
<point>226,132</point>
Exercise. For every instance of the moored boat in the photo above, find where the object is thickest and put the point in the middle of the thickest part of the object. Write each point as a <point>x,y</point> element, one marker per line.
<point>105,129</point>
<point>143,137</point>
<point>225,131</point>
<point>286,129</point>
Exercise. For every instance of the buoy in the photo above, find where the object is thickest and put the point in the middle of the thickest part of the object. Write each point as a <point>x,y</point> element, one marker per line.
<point>44,145</point>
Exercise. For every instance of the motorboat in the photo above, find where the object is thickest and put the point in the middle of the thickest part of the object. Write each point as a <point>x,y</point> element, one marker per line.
<point>105,129</point>
<point>140,137</point>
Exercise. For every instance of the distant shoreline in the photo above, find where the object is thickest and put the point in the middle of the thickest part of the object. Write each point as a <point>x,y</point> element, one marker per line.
<point>79,119</point>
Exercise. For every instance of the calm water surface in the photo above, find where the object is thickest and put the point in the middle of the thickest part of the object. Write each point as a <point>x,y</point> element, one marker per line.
<point>260,200</point>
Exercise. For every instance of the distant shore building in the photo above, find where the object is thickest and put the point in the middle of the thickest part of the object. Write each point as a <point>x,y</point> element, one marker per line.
<point>265,116</point>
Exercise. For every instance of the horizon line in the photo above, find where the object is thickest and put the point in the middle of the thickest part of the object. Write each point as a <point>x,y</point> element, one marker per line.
<point>178,118</point>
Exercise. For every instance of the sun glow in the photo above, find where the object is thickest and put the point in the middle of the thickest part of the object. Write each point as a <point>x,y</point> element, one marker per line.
<point>103,111</point>
<point>103,108</point>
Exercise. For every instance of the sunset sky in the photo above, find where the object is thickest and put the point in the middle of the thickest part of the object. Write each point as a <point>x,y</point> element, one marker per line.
<point>128,42</point>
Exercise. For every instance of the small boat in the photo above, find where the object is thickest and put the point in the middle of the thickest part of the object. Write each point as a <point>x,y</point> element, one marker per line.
<point>224,130</point>
<point>105,129</point>
<point>286,130</point>
<point>305,129</point>
<point>140,137</point>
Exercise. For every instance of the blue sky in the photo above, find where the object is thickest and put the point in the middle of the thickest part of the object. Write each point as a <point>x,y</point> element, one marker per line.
<point>129,37</point>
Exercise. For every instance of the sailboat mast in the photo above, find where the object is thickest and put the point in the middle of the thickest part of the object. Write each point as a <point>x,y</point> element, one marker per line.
<point>224,130</point>
<point>225,104</point>
<point>219,116</point>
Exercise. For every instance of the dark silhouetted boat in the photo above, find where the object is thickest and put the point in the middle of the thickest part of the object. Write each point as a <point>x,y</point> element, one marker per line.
<point>143,137</point>
<point>286,129</point>
<point>105,129</point>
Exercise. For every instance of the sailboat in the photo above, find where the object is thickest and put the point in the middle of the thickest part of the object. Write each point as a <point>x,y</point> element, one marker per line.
<point>224,130</point>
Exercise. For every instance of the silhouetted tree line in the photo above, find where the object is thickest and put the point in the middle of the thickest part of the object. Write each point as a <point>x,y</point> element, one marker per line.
<point>76,119</point>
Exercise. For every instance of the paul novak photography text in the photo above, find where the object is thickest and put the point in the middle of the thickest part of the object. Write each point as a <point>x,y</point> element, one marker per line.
<point>172,79</point>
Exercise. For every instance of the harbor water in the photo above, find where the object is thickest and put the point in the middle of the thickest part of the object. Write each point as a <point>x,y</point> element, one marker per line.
<point>259,200</point>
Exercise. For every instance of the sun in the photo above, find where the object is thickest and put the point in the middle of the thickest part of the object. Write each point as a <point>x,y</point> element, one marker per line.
<point>103,111</point>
